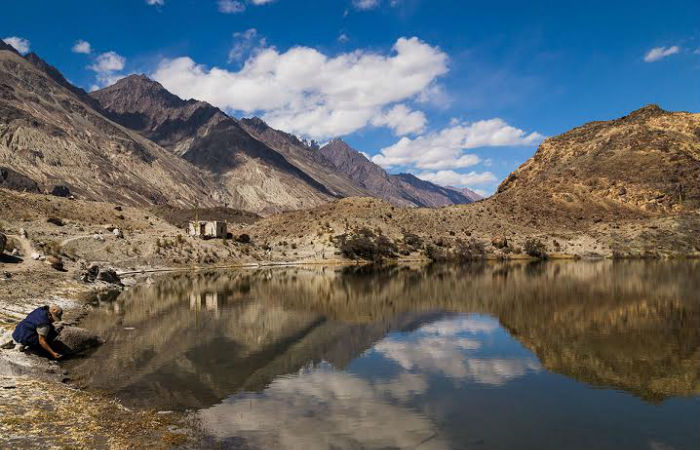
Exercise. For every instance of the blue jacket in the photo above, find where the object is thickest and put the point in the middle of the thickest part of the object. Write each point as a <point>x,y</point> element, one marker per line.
<point>25,331</point>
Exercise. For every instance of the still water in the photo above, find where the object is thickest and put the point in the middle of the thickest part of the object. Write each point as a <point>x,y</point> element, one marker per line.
<point>560,355</point>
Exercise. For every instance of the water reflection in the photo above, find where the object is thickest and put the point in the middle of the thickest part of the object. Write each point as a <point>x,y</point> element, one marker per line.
<point>415,357</point>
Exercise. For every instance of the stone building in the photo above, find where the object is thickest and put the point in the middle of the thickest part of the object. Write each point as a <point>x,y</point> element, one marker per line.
<point>207,228</point>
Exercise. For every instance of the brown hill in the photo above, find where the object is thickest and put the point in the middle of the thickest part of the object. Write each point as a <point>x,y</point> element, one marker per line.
<point>49,135</point>
<point>644,164</point>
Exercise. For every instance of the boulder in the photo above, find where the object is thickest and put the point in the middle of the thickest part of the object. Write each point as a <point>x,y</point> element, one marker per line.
<point>71,340</point>
<point>3,242</point>
<point>88,274</point>
<point>55,261</point>
<point>109,276</point>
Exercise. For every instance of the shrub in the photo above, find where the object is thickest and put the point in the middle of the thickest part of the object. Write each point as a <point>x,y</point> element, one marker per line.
<point>535,248</point>
<point>365,244</point>
<point>243,239</point>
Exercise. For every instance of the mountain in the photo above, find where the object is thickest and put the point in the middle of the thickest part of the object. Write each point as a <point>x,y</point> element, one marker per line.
<point>304,156</point>
<point>257,177</point>
<point>471,195</point>
<point>50,134</point>
<point>402,189</point>
<point>644,164</point>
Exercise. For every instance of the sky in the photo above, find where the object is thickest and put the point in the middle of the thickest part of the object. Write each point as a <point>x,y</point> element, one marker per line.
<point>457,92</point>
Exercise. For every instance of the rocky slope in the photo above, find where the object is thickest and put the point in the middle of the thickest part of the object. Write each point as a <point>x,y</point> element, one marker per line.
<point>258,178</point>
<point>50,136</point>
<point>401,190</point>
<point>645,164</point>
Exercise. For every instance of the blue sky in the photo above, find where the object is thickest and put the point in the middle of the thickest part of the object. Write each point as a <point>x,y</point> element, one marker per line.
<point>457,92</point>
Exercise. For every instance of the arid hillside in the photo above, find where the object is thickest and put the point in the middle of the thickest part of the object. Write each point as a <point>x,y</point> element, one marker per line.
<point>646,164</point>
<point>50,135</point>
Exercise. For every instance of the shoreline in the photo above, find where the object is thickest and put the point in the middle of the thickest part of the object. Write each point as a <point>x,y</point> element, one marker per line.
<point>33,382</point>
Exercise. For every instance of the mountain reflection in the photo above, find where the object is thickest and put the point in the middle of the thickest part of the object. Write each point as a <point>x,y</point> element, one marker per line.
<point>192,340</point>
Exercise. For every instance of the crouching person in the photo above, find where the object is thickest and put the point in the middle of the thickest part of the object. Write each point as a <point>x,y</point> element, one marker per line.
<point>37,330</point>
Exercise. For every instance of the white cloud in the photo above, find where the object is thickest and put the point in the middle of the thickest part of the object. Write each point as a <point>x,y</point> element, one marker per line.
<point>231,6</point>
<point>365,5</point>
<point>261,2</point>
<point>402,120</point>
<point>22,45</point>
<point>82,47</point>
<point>658,53</point>
<point>106,66</point>
<point>343,38</point>
<point>305,92</point>
<point>245,43</point>
<point>155,2</point>
<point>452,178</point>
<point>445,149</point>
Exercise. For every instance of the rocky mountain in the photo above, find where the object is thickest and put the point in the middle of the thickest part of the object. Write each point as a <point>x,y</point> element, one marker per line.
<point>471,195</point>
<point>641,165</point>
<point>305,156</point>
<point>402,189</point>
<point>50,134</point>
<point>267,170</point>
<point>257,177</point>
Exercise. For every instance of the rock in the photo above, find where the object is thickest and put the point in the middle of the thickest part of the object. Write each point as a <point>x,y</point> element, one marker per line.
<point>55,261</point>
<point>23,233</point>
<point>14,252</point>
<point>71,340</point>
<point>98,237</point>
<point>499,241</point>
<point>3,242</point>
<point>89,274</point>
<point>109,276</point>
<point>622,191</point>
<point>118,233</point>
<point>117,208</point>
<point>36,256</point>
<point>60,191</point>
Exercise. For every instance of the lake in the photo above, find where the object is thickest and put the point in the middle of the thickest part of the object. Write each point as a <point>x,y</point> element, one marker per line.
<point>557,355</point>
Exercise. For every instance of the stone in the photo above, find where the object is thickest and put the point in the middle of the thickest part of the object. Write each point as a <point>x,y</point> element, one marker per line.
<point>118,233</point>
<point>55,261</point>
<point>98,237</point>
<point>23,233</point>
<point>36,256</point>
<point>72,340</point>
<point>89,274</point>
<point>109,276</point>
<point>3,242</point>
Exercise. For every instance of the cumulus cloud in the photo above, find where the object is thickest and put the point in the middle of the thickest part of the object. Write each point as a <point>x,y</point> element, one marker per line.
<point>402,120</point>
<point>155,2</point>
<point>107,67</point>
<point>261,2</point>
<point>305,92</point>
<point>343,38</point>
<point>340,410</point>
<point>452,178</point>
<point>658,53</point>
<point>82,47</point>
<point>445,149</point>
<point>20,44</point>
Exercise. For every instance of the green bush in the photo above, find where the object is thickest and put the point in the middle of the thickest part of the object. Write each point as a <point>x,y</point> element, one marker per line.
<point>365,244</point>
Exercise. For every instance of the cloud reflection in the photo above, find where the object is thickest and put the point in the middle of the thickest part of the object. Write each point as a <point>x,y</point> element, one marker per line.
<point>442,347</point>
<point>323,409</point>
